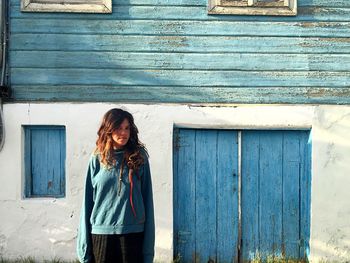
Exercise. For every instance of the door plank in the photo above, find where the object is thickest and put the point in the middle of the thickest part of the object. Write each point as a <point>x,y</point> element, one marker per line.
<point>291,197</point>
<point>206,163</point>
<point>270,186</point>
<point>250,195</point>
<point>305,193</point>
<point>227,197</point>
<point>184,185</point>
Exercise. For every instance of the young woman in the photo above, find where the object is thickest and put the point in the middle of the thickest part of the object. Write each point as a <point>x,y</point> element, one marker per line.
<point>117,218</point>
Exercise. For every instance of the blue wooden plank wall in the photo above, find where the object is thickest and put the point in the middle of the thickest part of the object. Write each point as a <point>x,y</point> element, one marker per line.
<point>172,51</point>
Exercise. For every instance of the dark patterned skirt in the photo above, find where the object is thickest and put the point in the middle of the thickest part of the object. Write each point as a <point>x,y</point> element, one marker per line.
<point>124,248</point>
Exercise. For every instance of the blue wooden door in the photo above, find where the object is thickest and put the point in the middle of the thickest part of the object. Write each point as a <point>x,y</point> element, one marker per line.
<point>275,194</point>
<point>231,207</point>
<point>205,196</point>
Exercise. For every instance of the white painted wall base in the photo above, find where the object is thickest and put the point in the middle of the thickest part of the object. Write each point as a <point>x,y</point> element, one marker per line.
<point>46,228</point>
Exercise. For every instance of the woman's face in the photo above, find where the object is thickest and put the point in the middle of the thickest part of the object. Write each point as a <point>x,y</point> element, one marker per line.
<point>121,135</point>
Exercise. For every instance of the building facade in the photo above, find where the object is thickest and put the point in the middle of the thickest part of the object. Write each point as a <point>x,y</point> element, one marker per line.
<point>180,70</point>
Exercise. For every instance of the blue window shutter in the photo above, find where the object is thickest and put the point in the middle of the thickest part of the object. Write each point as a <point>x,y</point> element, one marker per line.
<point>44,161</point>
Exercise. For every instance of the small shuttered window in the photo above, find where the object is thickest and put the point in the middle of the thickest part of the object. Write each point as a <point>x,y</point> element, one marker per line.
<point>81,6</point>
<point>253,7</point>
<point>44,158</point>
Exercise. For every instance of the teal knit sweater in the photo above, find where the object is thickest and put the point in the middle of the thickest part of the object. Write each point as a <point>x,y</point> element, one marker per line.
<point>109,210</point>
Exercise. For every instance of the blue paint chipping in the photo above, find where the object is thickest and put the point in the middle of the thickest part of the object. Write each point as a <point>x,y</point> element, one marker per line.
<point>274,193</point>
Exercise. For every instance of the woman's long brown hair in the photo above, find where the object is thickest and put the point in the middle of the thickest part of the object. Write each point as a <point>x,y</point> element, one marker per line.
<point>104,144</point>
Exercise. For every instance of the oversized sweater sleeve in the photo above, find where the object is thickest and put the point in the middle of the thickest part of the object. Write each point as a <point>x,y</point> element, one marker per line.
<point>84,246</point>
<point>149,229</point>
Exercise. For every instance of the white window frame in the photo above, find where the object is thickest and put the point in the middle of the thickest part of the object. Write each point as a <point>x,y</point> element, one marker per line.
<point>253,7</point>
<point>73,6</point>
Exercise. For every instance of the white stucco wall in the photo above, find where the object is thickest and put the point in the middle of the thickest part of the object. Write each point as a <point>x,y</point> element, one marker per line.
<point>46,228</point>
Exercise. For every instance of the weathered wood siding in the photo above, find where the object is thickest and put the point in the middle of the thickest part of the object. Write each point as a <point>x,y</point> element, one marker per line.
<point>173,51</point>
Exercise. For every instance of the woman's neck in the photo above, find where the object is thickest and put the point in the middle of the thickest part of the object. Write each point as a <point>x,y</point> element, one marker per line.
<point>118,148</point>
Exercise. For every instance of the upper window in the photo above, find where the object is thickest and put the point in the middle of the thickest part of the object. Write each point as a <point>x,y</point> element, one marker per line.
<point>82,6</point>
<point>253,7</point>
<point>44,161</point>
